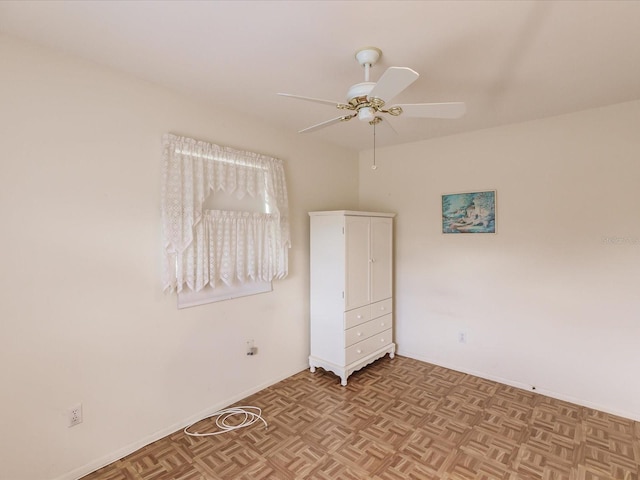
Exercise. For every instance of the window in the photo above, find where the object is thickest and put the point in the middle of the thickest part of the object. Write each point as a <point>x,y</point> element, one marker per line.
<point>239,246</point>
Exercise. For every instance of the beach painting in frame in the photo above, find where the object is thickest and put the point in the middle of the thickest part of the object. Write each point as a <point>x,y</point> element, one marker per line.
<point>473,212</point>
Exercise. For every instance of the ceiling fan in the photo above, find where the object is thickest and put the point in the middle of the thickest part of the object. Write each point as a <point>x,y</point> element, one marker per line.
<point>368,100</point>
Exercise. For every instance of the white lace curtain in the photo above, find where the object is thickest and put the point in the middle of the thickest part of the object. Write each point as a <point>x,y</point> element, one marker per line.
<point>221,247</point>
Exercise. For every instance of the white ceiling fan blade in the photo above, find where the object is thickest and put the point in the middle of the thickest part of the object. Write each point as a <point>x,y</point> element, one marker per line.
<point>433,110</point>
<point>326,123</point>
<point>311,99</point>
<point>392,82</point>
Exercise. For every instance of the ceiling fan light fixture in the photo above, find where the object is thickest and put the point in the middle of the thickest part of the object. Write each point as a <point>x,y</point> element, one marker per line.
<point>366,114</point>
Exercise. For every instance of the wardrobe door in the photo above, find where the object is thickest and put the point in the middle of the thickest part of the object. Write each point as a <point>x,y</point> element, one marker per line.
<point>357,255</point>
<point>381,258</point>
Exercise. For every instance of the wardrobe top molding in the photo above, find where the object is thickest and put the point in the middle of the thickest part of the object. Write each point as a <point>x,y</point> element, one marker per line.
<point>352,213</point>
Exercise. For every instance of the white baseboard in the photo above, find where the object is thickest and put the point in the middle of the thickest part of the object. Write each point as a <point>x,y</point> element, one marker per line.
<point>80,472</point>
<point>523,386</point>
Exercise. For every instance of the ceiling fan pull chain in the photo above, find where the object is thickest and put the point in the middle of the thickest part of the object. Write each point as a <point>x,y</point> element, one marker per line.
<point>374,167</point>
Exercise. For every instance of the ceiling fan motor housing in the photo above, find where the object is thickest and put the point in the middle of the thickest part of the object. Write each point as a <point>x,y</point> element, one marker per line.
<point>358,98</point>
<point>359,93</point>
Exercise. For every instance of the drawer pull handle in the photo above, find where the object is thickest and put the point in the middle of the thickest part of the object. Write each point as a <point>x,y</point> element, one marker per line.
<point>359,334</point>
<point>359,316</point>
<point>382,340</point>
<point>382,324</point>
<point>381,308</point>
<point>358,351</point>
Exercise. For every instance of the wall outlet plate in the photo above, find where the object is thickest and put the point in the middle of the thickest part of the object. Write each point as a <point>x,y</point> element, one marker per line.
<point>251,348</point>
<point>74,415</point>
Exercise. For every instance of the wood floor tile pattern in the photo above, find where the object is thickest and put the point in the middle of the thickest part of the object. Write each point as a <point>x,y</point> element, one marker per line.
<point>396,420</point>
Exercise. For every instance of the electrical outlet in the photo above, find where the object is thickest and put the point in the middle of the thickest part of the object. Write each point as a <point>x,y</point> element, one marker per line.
<point>462,337</point>
<point>251,348</point>
<point>75,415</point>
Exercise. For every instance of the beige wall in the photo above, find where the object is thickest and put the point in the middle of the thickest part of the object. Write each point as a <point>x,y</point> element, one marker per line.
<point>546,302</point>
<point>82,316</point>
<point>552,300</point>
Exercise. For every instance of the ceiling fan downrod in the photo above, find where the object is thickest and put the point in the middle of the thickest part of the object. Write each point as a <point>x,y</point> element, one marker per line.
<point>367,57</point>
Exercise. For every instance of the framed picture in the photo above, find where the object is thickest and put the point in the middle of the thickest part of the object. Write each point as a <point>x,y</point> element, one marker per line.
<point>473,212</point>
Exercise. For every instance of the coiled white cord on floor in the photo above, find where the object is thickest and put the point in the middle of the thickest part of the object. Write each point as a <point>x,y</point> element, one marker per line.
<point>251,415</point>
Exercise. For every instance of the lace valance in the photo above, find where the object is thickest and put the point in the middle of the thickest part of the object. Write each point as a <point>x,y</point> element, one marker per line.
<point>195,242</point>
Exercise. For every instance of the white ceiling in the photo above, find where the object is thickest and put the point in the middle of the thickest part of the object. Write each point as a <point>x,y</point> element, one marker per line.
<point>510,61</point>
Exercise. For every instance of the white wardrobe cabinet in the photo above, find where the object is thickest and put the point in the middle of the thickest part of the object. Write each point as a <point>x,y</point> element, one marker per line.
<point>351,290</point>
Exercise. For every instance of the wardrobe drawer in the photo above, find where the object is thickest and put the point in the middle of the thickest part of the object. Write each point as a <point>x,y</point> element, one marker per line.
<point>381,308</point>
<point>366,330</point>
<point>356,316</point>
<point>366,347</point>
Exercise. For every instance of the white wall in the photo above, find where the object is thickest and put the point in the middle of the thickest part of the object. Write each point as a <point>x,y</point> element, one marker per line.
<point>83,318</point>
<point>552,300</point>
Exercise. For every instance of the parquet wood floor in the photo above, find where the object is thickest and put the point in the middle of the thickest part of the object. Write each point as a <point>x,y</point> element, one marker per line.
<point>398,419</point>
